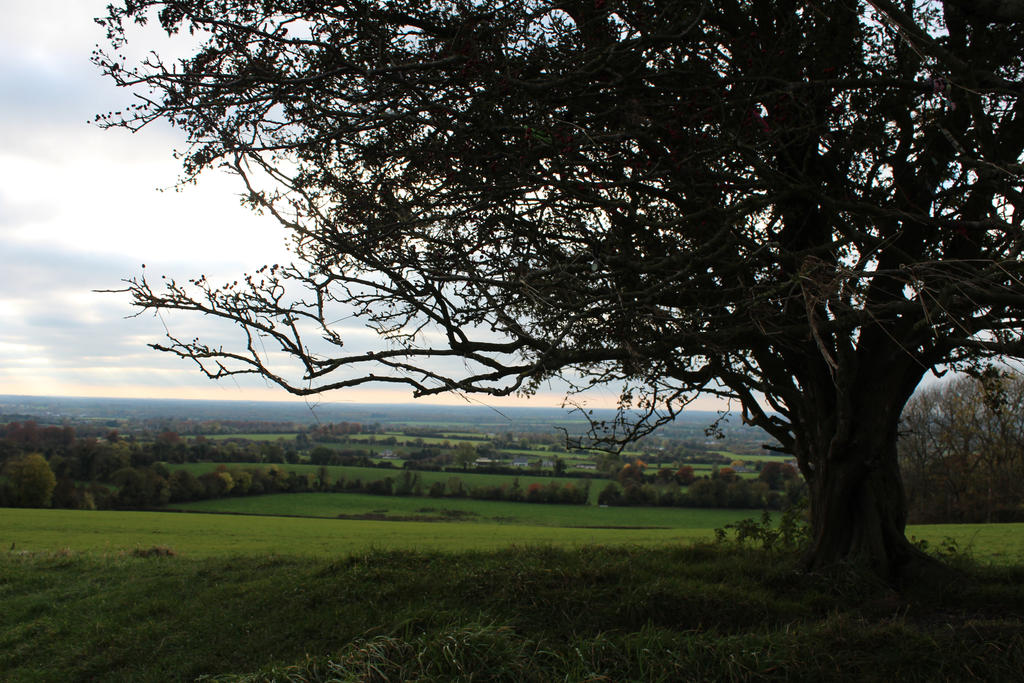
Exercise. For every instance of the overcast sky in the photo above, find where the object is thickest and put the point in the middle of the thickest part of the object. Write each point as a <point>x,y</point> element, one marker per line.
<point>81,208</point>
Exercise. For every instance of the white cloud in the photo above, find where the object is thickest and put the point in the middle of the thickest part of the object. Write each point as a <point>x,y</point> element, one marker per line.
<point>80,209</point>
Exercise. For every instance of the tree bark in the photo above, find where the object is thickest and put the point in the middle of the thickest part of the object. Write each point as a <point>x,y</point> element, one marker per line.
<point>858,512</point>
<point>858,503</point>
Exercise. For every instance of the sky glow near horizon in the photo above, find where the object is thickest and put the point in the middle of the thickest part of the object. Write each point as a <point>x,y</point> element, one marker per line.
<point>81,208</point>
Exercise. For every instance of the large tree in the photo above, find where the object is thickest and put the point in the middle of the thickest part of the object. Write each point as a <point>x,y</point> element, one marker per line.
<point>32,481</point>
<point>800,206</point>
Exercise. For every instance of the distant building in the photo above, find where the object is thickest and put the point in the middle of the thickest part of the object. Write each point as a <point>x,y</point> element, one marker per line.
<point>520,462</point>
<point>586,466</point>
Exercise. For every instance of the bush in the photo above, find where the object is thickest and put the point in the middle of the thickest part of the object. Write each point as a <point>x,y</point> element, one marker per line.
<point>611,494</point>
<point>791,533</point>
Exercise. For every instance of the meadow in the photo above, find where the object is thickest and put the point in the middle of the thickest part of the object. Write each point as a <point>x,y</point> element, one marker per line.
<point>227,609</point>
<point>256,526</point>
<point>452,438</point>
<point>469,478</point>
<point>352,587</point>
<point>469,510</point>
<point>207,535</point>
<point>367,474</point>
<point>402,444</point>
<point>284,437</point>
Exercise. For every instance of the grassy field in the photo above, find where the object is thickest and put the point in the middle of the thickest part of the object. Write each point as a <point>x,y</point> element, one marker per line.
<point>989,542</point>
<point>210,535</point>
<point>164,596</point>
<point>765,457</point>
<point>405,440</point>
<point>276,436</point>
<point>469,478</point>
<point>522,615</point>
<point>531,514</point>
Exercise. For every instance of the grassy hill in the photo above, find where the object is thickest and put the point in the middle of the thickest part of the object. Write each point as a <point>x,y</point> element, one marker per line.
<point>307,525</point>
<point>520,614</point>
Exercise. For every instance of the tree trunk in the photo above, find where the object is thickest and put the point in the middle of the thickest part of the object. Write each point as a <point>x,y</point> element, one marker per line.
<point>858,504</point>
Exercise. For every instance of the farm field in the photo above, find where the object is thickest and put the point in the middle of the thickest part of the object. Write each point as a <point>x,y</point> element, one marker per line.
<point>366,474</point>
<point>530,514</point>
<point>452,438</point>
<point>219,535</point>
<point>400,442</point>
<point>276,436</point>
<point>377,443</point>
<point>766,457</point>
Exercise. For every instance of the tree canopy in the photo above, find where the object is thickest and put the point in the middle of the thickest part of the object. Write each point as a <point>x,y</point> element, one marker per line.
<point>32,480</point>
<point>802,207</point>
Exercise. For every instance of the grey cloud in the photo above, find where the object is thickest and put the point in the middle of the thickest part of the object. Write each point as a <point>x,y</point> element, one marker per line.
<point>30,269</point>
<point>52,290</point>
<point>13,214</point>
<point>48,110</point>
<point>47,74</point>
<point>35,94</point>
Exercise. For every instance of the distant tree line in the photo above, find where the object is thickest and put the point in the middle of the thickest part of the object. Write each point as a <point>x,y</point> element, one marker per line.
<point>193,427</point>
<point>961,454</point>
<point>777,486</point>
<point>109,471</point>
<point>961,450</point>
<point>48,466</point>
<point>236,481</point>
<point>410,483</point>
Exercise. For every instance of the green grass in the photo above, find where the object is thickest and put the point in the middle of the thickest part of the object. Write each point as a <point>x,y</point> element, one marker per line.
<point>208,535</point>
<point>996,543</point>
<point>162,596</point>
<point>469,478</point>
<point>404,440</point>
<point>525,614</point>
<point>335,504</point>
<point>282,436</point>
<point>766,457</point>
<point>989,542</point>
